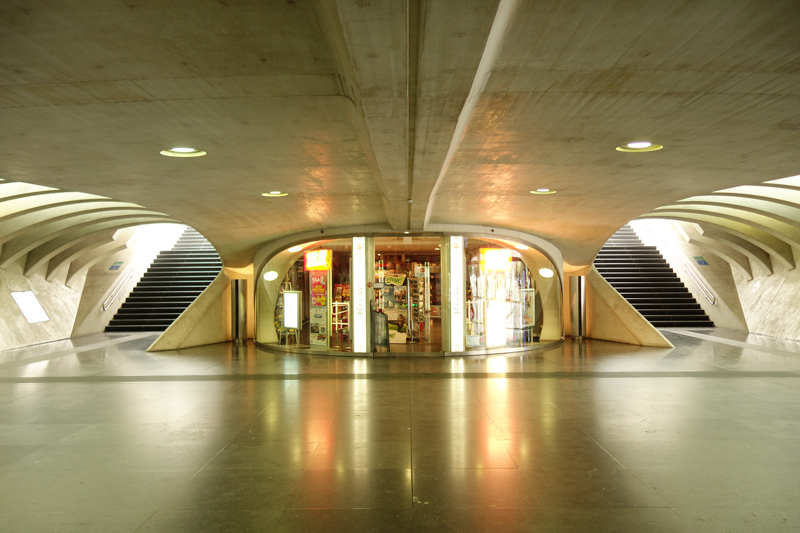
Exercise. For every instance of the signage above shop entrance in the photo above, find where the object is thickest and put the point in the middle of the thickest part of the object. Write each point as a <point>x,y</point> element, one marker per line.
<point>319,260</point>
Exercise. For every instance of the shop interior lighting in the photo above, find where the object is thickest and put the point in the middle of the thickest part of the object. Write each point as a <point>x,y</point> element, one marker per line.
<point>294,249</point>
<point>543,191</point>
<point>546,272</point>
<point>30,307</point>
<point>639,146</point>
<point>183,152</point>
<point>274,194</point>
<point>271,275</point>
<point>520,247</point>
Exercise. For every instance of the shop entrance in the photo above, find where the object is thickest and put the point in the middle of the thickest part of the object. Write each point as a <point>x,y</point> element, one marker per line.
<point>408,289</point>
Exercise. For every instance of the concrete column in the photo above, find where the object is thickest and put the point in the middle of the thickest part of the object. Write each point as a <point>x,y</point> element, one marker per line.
<point>577,289</point>
<point>239,311</point>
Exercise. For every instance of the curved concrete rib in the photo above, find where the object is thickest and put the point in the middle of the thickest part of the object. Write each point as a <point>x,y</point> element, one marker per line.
<point>789,197</point>
<point>735,258</point>
<point>29,203</point>
<point>788,233</point>
<point>787,214</point>
<point>87,260</point>
<point>18,225</point>
<point>501,26</point>
<point>791,181</point>
<point>62,259</point>
<point>776,248</point>
<point>41,254</point>
<point>18,188</point>
<point>91,259</point>
<point>19,246</point>
<point>755,254</point>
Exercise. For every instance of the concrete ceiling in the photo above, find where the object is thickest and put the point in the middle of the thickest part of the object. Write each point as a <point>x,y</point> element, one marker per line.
<point>354,107</point>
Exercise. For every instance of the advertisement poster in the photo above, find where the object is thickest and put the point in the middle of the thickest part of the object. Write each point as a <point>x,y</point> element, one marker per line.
<point>319,308</point>
<point>319,326</point>
<point>319,289</point>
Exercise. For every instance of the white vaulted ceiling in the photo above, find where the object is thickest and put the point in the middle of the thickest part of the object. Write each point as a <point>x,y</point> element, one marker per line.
<point>355,107</point>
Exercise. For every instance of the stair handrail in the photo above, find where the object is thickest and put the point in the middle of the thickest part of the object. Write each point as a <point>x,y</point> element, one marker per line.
<point>695,277</point>
<point>118,288</point>
<point>646,226</point>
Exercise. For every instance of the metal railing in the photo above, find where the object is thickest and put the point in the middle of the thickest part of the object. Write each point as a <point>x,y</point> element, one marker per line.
<point>647,227</point>
<point>696,278</point>
<point>118,287</point>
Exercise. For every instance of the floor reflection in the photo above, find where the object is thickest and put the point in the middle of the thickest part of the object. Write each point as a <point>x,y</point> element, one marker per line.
<point>589,436</point>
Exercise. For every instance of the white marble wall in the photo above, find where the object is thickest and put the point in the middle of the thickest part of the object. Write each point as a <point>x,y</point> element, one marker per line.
<point>59,302</point>
<point>771,303</point>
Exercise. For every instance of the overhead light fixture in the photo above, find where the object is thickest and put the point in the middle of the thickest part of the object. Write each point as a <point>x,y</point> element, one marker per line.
<point>546,272</point>
<point>639,146</point>
<point>520,247</point>
<point>182,152</point>
<point>543,191</point>
<point>406,232</point>
<point>295,249</point>
<point>271,275</point>
<point>274,194</point>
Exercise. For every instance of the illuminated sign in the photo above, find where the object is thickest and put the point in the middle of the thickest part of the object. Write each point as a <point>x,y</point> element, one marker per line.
<point>457,294</point>
<point>319,260</point>
<point>291,309</point>
<point>495,259</point>
<point>359,295</point>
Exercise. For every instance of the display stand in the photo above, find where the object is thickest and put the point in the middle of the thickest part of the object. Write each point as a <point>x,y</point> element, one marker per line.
<point>340,318</point>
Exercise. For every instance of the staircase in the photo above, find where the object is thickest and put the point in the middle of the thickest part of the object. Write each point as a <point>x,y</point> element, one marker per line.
<point>172,282</point>
<point>644,278</point>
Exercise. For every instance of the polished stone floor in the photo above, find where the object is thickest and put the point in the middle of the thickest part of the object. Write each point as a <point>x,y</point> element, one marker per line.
<point>98,435</point>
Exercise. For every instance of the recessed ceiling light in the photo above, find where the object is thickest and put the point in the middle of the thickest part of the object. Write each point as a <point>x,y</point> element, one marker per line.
<point>274,194</point>
<point>639,146</point>
<point>546,272</point>
<point>520,247</point>
<point>182,152</point>
<point>543,191</point>
<point>271,275</point>
<point>406,232</point>
<point>295,248</point>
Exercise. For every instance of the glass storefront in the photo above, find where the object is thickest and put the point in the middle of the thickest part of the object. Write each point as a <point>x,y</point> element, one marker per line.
<point>304,297</point>
<point>503,295</point>
<point>424,294</point>
<point>408,290</point>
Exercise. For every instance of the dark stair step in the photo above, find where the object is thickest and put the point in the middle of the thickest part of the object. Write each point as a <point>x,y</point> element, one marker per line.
<point>644,278</point>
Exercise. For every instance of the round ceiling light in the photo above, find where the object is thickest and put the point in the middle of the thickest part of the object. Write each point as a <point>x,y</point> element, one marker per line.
<point>294,249</point>
<point>639,146</point>
<point>274,194</point>
<point>543,191</point>
<point>182,152</point>
<point>546,272</point>
<point>271,275</point>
